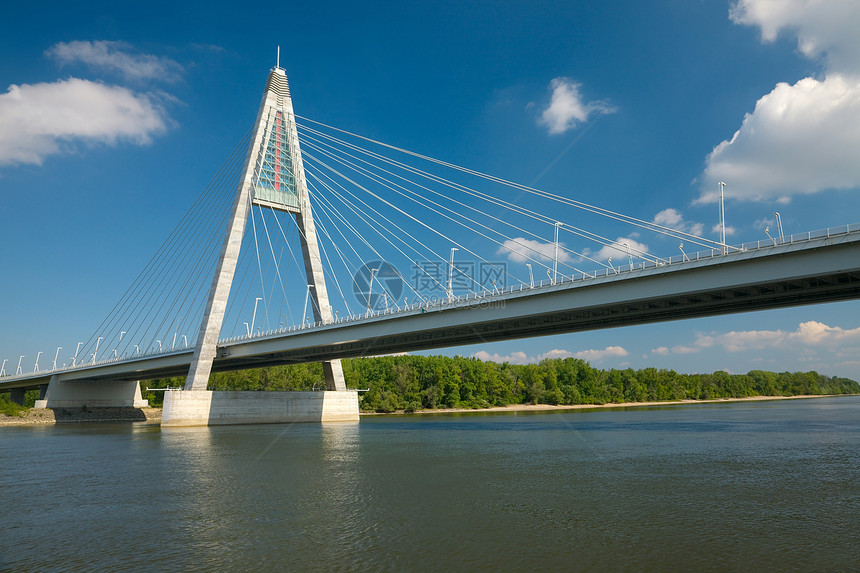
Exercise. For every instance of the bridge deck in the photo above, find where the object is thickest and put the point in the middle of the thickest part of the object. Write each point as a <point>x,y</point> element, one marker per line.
<point>817,269</point>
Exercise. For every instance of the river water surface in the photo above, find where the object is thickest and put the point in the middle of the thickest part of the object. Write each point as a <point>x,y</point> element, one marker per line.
<point>721,487</point>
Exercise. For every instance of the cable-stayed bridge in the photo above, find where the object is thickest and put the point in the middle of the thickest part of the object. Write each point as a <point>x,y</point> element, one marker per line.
<point>385,250</point>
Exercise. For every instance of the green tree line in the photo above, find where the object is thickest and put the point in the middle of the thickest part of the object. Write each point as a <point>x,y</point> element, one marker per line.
<point>409,383</point>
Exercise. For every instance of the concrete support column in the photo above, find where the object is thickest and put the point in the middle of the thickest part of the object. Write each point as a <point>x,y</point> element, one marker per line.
<point>17,395</point>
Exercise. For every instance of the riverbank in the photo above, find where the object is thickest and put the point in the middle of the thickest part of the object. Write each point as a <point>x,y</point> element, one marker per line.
<point>73,415</point>
<point>549,407</point>
<point>153,415</point>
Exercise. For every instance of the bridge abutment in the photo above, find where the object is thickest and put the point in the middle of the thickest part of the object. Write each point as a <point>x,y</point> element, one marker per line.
<point>215,408</point>
<point>92,394</point>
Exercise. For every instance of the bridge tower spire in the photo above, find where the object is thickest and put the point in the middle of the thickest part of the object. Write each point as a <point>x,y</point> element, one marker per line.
<point>273,177</point>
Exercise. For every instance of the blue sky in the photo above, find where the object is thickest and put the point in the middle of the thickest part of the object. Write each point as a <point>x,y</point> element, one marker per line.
<point>113,119</point>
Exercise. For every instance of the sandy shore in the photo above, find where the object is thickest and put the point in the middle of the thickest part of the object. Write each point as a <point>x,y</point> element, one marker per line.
<point>547,407</point>
<point>153,415</point>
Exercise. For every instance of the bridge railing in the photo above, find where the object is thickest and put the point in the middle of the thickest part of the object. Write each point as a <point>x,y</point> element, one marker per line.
<point>684,258</point>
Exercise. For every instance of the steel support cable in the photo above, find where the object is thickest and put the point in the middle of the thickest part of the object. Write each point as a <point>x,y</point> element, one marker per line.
<point>420,200</point>
<point>132,295</point>
<point>503,204</point>
<point>200,213</point>
<point>274,260</point>
<point>474,193</point>
<point>395,186</point>
<point>333,274</point>
<point>558,198</point>
<point>173,282</point>
<point>323,210</point>
<point>331,213</point>
<point>368,217</point>
<point>129,300</point>
<point>506,205</point>
<point>364,216</point>
<point>243,270</point>
<point>287,243</point>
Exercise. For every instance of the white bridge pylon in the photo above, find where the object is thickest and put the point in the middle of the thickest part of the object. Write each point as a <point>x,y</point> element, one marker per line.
<point>273,177</point>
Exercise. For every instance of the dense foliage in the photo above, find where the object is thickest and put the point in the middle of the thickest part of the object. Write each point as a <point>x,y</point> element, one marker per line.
<point>427,382</point>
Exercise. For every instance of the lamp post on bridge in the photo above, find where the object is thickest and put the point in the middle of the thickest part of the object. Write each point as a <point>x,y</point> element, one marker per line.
<point>18,370</point>
<point>531,276</point>
<point>3,368</point>
<point>369,290</point>
<point>451,275</point>
<point>36,365</point>
<point>75,358</point>
<point>99,341</point>
<point>555,256</point>
<point>254,316</point>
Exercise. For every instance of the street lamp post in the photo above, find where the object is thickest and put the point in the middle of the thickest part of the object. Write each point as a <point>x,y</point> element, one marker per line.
<point>555,256</point>
<point>57,356</point>
<point>307,296</point>
<point>18,370</point>
<point>451,275</point>
<point>369,289</point>
<point>531,276</point>
<point>3,368</point>
<point>722,217</point>
<point>254,316</point>
<point>75,359</point>
<point>99,341</point>
<point>36,366</point>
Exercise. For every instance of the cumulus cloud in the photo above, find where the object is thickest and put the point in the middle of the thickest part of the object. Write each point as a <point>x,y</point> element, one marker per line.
<point>567,108</point>
<point>807,336</point>
<point>599,355</point>
<point>48,118</point>
<point>513,358</point>
<point>673,219</point>
<point>800,138</point>
<point>520,250</point>
<point>523,358</point>
<point>116,57</point>
<point>619,250</point>
<point>824,28</point>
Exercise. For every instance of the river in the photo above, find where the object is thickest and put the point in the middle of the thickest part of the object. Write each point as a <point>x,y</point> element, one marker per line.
<point>711,487</point>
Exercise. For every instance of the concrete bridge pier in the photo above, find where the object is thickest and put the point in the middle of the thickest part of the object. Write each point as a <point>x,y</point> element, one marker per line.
<point>92,394</point>
<point>17,395</point>
<point>214,408</point>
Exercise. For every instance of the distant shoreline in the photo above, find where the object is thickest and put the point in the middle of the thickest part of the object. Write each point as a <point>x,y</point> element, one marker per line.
<point>35,417</point>
<point>552,407</point>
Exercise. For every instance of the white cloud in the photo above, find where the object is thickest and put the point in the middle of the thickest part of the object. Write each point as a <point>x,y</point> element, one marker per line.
<point>556,353</point>
<point>599,355</point>
<point>567,108</point>
<point>824,28</point>
<point>523,358</point>
<point>521,250</point>
<point>116,57</point>
<point>618,251</point>
<point>803,340</point>
<point>513,358</point>
<point>801,138</point>
<point>48,118</point>
<point>673,219</point>
<point>660,351</point>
